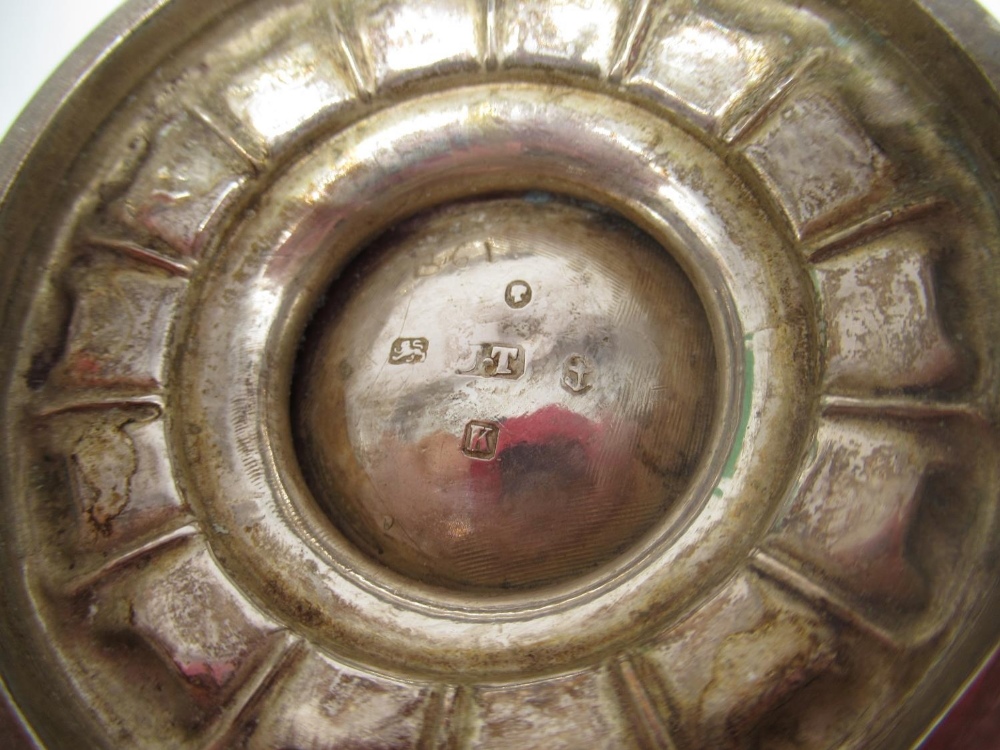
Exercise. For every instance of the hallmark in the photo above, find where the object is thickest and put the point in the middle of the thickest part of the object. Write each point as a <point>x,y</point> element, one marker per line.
<point>518,294</point>
<point>576,377</point>
<point>480,439</point>
<point>408,351</point>
<point>497,361</point>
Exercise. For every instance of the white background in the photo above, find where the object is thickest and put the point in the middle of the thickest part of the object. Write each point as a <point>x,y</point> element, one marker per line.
<point>35,35</point>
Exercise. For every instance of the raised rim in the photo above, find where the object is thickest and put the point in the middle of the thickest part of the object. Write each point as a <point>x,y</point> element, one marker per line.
<point>722,267</point>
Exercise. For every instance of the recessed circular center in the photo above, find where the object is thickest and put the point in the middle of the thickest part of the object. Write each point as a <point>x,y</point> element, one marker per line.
<point>505,394</point>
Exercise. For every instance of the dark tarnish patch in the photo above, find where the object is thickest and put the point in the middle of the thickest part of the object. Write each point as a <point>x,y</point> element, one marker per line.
<point>736,661</point>
<point>742,693</point>
<point>305,612</point>
<point>103,465</point>
<point>41,365</point>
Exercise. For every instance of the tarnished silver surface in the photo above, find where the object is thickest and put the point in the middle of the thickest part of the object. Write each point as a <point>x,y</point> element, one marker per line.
<point>474,373</point>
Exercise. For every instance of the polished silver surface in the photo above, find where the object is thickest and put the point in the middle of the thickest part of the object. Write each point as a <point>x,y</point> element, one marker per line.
<point>494,374</point>
<point>579,418</point>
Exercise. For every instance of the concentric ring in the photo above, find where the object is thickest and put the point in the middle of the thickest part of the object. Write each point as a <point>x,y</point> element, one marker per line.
<point>329,208</point>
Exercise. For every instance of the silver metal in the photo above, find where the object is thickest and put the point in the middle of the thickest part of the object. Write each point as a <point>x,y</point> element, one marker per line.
<point>494,374</point>
<point>598,394</point>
